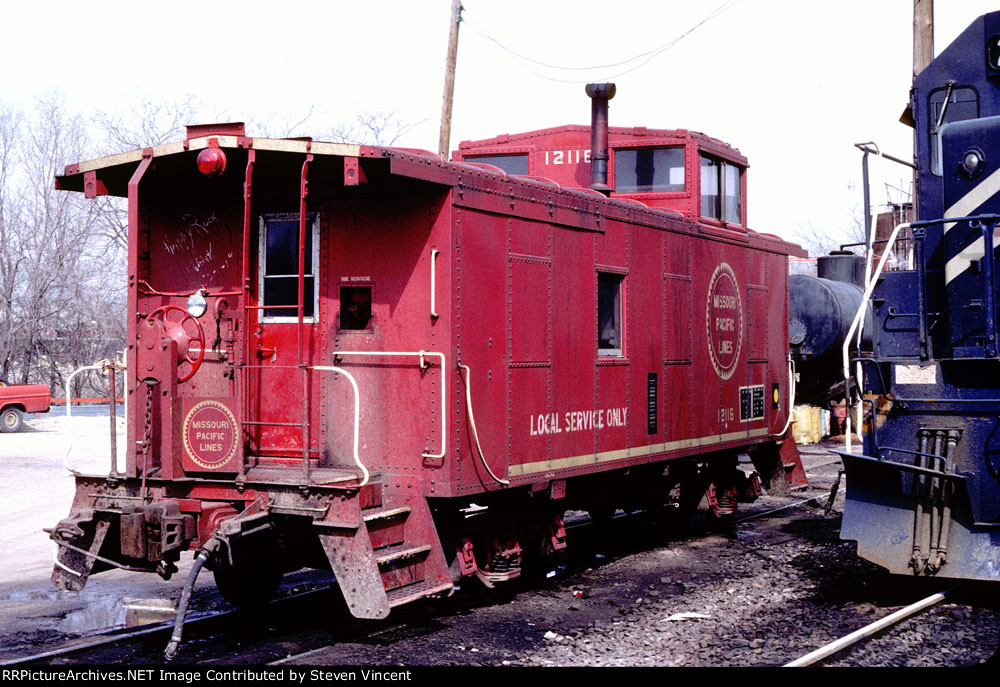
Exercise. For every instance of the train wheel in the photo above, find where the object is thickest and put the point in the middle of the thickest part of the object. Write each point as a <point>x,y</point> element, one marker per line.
<point>10,420</point>
<point>247,586</point>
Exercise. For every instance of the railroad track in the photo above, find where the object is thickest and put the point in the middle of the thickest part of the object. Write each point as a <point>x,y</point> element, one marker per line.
<point>225,628</point>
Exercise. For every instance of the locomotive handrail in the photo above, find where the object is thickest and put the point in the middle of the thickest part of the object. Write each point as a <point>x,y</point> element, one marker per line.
<point>357,415</point>
<point>423,364</point>
<point>857,324</point>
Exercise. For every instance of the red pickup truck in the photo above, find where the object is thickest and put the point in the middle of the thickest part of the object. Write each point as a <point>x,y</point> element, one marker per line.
<point>17,399</point>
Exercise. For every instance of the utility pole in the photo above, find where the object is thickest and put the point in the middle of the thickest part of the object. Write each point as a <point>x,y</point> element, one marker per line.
<point>923,34</point>
<point>449,79</point>
<point>923,53</point>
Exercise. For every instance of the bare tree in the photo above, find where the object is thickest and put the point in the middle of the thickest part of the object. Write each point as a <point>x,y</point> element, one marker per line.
<point>821,240</point>
<point>147,123</point>
<point>54,262</point>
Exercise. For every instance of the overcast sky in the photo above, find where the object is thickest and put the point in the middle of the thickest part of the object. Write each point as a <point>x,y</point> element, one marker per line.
<point>792,84</point>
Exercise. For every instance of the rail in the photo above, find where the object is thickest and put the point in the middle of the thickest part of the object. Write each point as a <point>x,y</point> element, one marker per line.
<point>423,365</point>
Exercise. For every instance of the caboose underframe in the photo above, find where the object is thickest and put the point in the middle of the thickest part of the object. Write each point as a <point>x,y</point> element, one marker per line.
<point>394,372</point>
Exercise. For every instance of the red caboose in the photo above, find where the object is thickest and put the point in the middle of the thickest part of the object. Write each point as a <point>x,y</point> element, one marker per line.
<point>406,369</point>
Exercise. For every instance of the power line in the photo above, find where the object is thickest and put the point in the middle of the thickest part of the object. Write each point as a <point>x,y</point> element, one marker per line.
<point>649,55</point>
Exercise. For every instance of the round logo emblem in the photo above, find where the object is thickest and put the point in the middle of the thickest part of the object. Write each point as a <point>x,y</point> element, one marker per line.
<point>724,320</point>
<point>210,434</point>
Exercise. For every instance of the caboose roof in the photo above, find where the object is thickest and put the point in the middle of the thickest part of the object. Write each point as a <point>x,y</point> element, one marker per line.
<point>618,136</point>
<point>110,175</point>
<point>115,170</point>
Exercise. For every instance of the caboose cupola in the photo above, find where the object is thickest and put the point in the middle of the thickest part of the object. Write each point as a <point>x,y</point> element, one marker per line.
<point>670,169</point>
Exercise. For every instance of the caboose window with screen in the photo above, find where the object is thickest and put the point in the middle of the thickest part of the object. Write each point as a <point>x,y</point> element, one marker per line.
<point>639,170</point>
<point>609,314</point>
<point>355,308</point>
<point>279,267</point>
<point>721,190</point>
<point>512,164</point>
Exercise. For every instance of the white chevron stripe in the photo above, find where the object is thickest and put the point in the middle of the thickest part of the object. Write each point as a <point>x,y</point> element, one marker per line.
<point>961,262</point>
<point>971,201</point>
<point>966,206</point>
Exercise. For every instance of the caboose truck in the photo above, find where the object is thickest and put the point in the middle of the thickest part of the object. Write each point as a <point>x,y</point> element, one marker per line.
<point>923,497</point>
<point>405,369</point>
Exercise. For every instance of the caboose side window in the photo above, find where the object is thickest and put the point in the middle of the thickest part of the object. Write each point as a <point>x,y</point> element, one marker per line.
<point>721,190</point>
<point>640,170</point>
<point>279,267</point>
<point>512,164</point>
<point>609,314</point>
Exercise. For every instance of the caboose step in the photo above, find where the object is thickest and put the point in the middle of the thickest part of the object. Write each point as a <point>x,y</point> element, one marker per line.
<point>387,528</point>
<point>399,554</point>
<point>286,474</point>
<point>402,566</point>
<point>415,592</point>
<point>387,514</point>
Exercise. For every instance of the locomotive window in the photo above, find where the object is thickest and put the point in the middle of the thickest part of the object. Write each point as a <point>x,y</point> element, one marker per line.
<point>609,314</point>
<point>639,170</point>
<point>512,164</point>
<point>279,273</point>
<point>355,307</point>
<point>962,104</point>
<point>721,190</point>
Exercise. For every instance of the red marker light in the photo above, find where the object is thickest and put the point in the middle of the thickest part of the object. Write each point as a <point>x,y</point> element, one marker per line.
<point>211,162</point>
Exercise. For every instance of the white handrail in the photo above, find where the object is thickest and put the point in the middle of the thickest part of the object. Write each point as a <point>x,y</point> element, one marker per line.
<point>791,397</point>
<point>423,364</point>
<point>855,327</point>
<point>434,254</point>
<point>357,415</point>
<point>69,415</point>
<point>472,424</point>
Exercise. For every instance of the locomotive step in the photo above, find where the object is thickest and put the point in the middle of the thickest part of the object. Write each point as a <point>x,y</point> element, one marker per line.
<point>415,592</point>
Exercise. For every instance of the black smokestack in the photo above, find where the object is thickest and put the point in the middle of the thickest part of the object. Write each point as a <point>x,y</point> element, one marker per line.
<point>600,94</point>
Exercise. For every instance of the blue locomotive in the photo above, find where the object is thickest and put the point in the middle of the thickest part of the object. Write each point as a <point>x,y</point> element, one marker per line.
<point>923,494</point>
